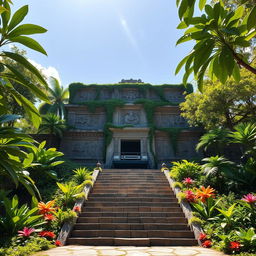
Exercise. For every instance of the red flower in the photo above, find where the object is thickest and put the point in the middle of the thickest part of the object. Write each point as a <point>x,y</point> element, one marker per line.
<point>250,198</point>
<point>26,232</point>
<point>207,244</point>
<point>77,209</point>
<point>188,181</point>
<point>235,246</point>
<point>47,234</point>
<point>46,208</point>
<point>49,217</point>
<point>190,196</point>
<point>202,237</point>
<point>58,243</point>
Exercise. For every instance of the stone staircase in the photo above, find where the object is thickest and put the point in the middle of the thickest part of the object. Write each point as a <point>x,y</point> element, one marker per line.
<point>132,207</point>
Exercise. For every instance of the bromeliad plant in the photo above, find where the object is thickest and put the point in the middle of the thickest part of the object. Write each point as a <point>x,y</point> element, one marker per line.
<point>83,175</point>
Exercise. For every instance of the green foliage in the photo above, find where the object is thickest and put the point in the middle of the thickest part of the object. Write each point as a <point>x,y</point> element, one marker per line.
<point>52,124</point>
<point>222,105</point>
<point>44,161</point>
<point>58,96</point>
<point>33,245</point>
<point>207,210</point>
<point>12,31</point>
<point>219,33</point>
<point>184,169</point>
<point>177,184</point>
<point>16,218</point>
<point>70,192</point>
<point>248,238</point>
<point>143,87</point>
<point>228,216</point>
<point>196,220</point>
<point>82,175</point>
<point>14,159</point>
<point>67,216</point>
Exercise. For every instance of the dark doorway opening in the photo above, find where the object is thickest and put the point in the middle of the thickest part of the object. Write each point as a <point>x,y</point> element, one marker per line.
<point>130,149</point>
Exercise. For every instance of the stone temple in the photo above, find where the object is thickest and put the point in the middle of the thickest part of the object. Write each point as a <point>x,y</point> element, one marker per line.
<point>128,124</point>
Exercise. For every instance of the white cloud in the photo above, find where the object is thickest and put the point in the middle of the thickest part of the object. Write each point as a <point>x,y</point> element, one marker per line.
<point>47,72</point>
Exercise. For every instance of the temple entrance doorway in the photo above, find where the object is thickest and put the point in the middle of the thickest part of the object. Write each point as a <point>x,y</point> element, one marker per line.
<point>130,150</point>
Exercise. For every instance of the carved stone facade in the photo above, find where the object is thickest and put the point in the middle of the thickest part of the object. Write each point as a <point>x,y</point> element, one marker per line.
<point>95,136</point>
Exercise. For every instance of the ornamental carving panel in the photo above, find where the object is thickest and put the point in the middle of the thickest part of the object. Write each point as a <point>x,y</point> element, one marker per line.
<point>88,121</point>
<point>131,117</point>
<point>174,95</point>
<point>130,95</point>
<point>170,120</point>
<point>85,95</point>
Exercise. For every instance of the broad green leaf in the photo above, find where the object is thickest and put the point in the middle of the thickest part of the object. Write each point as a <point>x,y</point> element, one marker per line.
<point>30,43</point>
<point>184,39</point>
<point>18,77</point>
<point>28,161</point>
<point>250,35</point>
<point>24,62</point>
<point>238,13</point>
<point>181,64</point>
<point>202,4</point>
<point>236,73</point>
<point>5,16</point>
<point>209,11</point>
<point>182,25</point>
<point>183,7</point>
<point>26,29</point>
<point>251,22</point>
<point>241,42</point>
<point>227,59</point>
<point>2,9</point>
<point>18,17</point>
<point>186,76</point>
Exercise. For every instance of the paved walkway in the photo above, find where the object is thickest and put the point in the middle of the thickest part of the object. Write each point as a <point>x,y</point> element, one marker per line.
<point>128,251</point>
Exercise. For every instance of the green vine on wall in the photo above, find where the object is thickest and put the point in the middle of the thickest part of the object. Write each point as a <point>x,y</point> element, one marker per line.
<point>142,87</point>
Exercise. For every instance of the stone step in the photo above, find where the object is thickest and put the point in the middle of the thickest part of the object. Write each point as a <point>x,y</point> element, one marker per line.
<point>132,199</point>
<point>110,241</point>
<point>132,214</point>
<point>131,220</point>
<point>128,186</point>
<point>131,190</point>
<point>133,233</point>
<point>130,195</point>
<point>134,203</point>
<point>131,209</point>
<point>131,226</point>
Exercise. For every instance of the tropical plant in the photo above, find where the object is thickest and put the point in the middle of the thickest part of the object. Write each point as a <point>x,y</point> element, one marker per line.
<point>183,169</point>
<point>58,97</point>
<point>53,125</point>
<point>216,138</point>
<point>207,210</point>
<point>219,33</point>
<point>12,32</point>
<point>219,171</point>
<point>70,192</point>
<point>244,134</point>
<point>65,216</point>
<point>16,218</point>
<point>82,175</point>
<point>228,220</point>
<point>14,159</point>
<point>44,161</point>
<point>248,238</point>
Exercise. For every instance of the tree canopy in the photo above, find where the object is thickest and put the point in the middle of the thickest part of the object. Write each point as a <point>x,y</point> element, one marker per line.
<point>222,105</point>
<point>221,36</point>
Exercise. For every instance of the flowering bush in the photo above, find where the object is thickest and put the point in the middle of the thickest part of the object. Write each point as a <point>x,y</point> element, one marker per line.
<point>204,193</point>
<point>26,232</point>
<point>188,182</point>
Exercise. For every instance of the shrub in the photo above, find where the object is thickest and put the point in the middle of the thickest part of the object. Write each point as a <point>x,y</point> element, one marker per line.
<point>33,245</point>
<point>178,185</point>
<point>65,216</point>
<point>184,169</point>
<point>195,220</point>
<point>82,175</point>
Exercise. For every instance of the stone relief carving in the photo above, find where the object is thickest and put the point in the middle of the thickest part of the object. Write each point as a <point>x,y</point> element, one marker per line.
<point>174,96</point>
<point>131,117</point>
<point>84,95</point>
<point>87,149</point>
<point>88,121</point>
<point>167,120</point>
<point>82,121</point>
<point>130,95</point>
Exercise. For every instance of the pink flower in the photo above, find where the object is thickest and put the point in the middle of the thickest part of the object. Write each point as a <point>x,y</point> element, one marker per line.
<point>190,196</point>
<point>26,232</point>
<point>188,181</point>
<point>250,198</point>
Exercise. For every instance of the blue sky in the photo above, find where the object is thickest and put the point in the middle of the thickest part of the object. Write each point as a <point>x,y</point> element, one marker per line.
<point>104,41</point>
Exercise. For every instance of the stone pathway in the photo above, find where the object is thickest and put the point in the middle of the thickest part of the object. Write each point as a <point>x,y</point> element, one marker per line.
<point>128,251</point>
